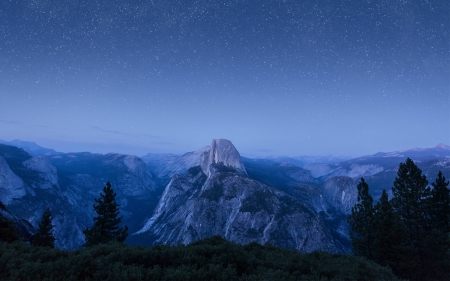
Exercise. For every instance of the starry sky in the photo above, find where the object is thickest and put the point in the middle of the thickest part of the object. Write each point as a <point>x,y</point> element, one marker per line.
<point>276,77</point>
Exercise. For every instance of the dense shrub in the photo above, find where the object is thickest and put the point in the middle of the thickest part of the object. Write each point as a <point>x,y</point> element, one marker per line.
<point>209,259</point>
<point>8,232</point>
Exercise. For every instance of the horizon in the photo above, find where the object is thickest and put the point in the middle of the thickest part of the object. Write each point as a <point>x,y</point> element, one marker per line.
<point>342,157</point>
<point>274,77</point>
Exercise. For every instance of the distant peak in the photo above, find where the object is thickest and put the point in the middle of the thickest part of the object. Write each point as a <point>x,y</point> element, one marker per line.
<point>16,141</point>
<point>222,151</point>
<point>202,150</point>
<point>443,146</point>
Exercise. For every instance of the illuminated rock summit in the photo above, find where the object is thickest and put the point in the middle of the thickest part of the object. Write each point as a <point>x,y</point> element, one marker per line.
<point>221,151</point>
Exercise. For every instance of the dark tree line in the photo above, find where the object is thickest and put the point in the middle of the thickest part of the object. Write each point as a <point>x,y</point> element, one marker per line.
<point>411,232</point>
<point>208,259</point>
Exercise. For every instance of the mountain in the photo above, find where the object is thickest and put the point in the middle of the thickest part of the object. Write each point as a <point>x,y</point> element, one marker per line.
<point>222,151</point>
<point>380,169</point>
<point>167,198</point>
<point>217,197</point>
<point>13,227</point>
<point>439,151</point>
<point>31,147</point>
<point>68,184</point>
<point>301,161</point>
<point>331,188</point>
<point>11,186</point>
<point>164,166</point>
<point>372,164</point>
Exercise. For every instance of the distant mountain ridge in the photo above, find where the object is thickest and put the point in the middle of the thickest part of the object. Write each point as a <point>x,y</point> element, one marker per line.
<point>165,165</point>
<point>440,150</point>
<point>31,147</point>
<point>168,198</point>
<point>302,160</point>
<point>68,184</point>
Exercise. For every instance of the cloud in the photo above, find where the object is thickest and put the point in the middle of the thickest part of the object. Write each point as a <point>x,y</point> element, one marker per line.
<point>10,122</point>
<point>125,134</point>
<point>263,150</point>
<point>151,136</point>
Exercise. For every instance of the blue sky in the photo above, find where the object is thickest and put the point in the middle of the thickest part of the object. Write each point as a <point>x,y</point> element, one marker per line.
<point>274,77</point>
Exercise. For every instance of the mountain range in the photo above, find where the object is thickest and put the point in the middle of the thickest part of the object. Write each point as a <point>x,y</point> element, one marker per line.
<point>178,199</point>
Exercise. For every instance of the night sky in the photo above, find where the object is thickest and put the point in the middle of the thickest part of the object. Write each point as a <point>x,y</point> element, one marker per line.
<point>275,77</point>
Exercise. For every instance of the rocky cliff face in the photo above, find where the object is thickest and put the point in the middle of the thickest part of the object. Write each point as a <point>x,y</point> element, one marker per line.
<point>24,229</point>
<point>218,198</point>
<point>211,193</point>
<point>167,165</point>
<point>222,151</point>
<point>11,186</point>
<point>340,193</point>
<point>68,184</point>
<point>47,172</point>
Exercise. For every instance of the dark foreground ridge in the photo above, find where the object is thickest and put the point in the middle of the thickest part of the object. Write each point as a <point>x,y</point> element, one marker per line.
<point>208,259</point>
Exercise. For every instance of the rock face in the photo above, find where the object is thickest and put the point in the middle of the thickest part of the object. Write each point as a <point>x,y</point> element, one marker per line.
<point>222,151</point>
<point>218,198</point>
<point>31,147</point>
<point>167,165</point>
<point>68,184</point>
<point>340,193</point>
<point>46,170</point>
<point>24,229</point>
<point>11,186</point>
<point>208,192</point>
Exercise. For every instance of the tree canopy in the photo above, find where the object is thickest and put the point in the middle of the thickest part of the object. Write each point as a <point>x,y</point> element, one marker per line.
<point>409,233</point>
<point>361,222</point>
<point>44,235</point>
<point>106,224</point>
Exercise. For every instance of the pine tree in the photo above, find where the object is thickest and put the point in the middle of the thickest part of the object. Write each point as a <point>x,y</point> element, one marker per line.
<point>106,224</point>
<point>440,204</point>
<point>389,235</point>
<point>437,243</point>
<point>411,203</point>
<point>361,222</point>
<point>44,235</point>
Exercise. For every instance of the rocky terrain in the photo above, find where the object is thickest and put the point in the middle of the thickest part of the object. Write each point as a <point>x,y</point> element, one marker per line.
<point>217,197</point>
<point>68,184</point>
<point>177,199</point>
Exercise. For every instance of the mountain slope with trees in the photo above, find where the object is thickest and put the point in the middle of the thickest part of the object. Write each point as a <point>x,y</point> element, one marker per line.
<point>409,233</point>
